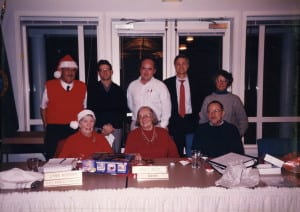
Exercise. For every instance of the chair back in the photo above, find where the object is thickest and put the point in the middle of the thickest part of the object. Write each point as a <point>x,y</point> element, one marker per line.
<point>59,147</point>
<point>275,146</point>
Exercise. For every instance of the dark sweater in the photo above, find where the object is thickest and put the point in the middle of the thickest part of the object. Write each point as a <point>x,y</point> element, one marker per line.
<point>215,141</point>
<point>109,106</point>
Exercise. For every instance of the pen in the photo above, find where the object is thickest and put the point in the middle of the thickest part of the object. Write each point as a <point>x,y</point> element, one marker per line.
<point>62,160</point>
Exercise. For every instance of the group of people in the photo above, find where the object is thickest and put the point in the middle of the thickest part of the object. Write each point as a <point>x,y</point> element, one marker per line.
<point>167,116</point>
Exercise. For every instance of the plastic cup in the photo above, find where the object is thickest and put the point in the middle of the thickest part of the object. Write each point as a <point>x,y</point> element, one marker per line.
<point>33,164</point>
<point>196,155</point>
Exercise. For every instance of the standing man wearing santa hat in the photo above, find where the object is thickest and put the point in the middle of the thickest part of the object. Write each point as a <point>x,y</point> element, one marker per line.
<point>63,98</point>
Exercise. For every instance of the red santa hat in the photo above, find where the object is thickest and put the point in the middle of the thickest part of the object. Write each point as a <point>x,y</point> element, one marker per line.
<point>82,114</point>
<point>65,62</point>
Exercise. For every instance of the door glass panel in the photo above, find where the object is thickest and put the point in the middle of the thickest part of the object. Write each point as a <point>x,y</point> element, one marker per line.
<point>133,49</point>
<point>205,54</point>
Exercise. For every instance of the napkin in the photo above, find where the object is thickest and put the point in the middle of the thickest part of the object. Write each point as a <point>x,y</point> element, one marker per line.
<point>186,161</point>
<point>237,175</point>
<point>18,179</point>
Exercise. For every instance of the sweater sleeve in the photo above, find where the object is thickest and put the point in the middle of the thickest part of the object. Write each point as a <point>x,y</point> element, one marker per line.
<point>66,149</point>
<point>173,152</point>
<point>105,145</point>
<point>130,147</point>
<point>203,113</point>
<point>241,116</point>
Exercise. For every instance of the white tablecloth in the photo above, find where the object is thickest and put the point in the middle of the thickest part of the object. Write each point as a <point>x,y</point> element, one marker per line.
<point>155,199</point>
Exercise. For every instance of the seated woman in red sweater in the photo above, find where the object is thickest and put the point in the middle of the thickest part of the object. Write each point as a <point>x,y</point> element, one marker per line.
<point>148,140</point>
<point>86,140</point>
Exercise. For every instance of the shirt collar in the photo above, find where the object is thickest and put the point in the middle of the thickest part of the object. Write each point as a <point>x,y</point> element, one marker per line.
<point>222,122</point>
<point>64,84</point>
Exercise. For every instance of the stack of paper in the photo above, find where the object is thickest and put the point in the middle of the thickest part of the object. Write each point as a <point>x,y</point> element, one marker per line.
<point>151,172</point>
<point>58,164</point>
<point>273,166</point>
<point>58,172</point>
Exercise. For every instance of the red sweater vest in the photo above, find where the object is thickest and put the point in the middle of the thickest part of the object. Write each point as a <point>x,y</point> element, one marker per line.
<point>63,106</point>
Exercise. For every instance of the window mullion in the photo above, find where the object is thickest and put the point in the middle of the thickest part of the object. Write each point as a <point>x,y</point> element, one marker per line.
<point>81,59</point>
<point>260,79</point>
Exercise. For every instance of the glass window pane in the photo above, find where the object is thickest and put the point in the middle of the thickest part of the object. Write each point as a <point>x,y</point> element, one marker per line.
<point>281,71</point>
<point>60,44</point>
<point>282,130</point>
<point>251,70</point>
<point>250,137</point>
<point>205,54</point>
<point>46,45</point>
<point>90,53</point>
<point>133,49</point>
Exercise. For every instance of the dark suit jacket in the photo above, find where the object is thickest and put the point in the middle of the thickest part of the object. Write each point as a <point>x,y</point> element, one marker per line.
<point>189,123</point>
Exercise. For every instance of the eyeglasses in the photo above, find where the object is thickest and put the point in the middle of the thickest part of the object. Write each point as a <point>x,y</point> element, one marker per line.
<point>145,116</point>
<point>214,111</point>
<point>102,70</point>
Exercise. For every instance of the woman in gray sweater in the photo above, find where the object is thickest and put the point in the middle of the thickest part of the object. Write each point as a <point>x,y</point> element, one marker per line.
<point>233,106</point>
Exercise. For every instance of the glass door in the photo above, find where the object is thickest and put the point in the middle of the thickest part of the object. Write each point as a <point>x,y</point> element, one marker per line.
<point>205,42</point>
<point>132,41</point>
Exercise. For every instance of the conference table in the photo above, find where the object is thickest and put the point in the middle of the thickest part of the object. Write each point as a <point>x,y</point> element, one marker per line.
<point>187,189</point>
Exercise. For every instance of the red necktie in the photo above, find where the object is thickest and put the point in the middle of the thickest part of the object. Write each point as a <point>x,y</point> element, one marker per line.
<point>182,99</point>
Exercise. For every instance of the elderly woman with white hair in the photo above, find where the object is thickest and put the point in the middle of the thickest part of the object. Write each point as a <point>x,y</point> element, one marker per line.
<point>86,140</point>
<point>149,140</point>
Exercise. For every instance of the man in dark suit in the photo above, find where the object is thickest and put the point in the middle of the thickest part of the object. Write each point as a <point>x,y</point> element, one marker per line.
<point>185,105</point>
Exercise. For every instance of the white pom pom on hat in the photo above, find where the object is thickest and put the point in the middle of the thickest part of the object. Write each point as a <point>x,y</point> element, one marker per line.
<point>74,124</point>
<point>57,74</point>
<point>65,62</point>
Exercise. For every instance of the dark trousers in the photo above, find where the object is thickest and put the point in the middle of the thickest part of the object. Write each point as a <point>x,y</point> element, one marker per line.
<point>180,128</point>
<point>54,134</point>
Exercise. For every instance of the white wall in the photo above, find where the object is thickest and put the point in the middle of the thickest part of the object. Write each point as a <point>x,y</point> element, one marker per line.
<point>131,8</point>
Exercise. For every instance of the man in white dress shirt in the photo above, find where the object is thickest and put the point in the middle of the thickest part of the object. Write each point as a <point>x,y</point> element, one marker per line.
<point>149,91</point>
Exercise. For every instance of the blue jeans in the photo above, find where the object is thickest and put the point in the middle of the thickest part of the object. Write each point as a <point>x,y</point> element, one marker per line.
<point>188,144</point>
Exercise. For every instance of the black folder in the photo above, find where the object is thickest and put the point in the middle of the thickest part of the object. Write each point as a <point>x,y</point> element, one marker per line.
<point>233,158</point>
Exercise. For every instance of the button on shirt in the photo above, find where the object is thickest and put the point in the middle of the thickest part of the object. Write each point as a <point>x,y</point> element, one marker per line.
<point>153,94</point>
<point>188,105</point>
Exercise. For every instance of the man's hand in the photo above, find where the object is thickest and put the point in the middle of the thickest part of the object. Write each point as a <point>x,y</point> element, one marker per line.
<point>107,129</point>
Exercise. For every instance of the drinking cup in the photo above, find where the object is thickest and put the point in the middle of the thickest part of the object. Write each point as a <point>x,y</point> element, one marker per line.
<point>33,164</point>
<point>196,155</point>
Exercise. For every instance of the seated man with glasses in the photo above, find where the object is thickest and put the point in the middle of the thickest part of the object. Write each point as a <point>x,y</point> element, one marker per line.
<point>217,137</point>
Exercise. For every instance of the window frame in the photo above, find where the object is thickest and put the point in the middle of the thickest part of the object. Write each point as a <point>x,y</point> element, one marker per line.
<point>259,119</point>
<point>26,21</point>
